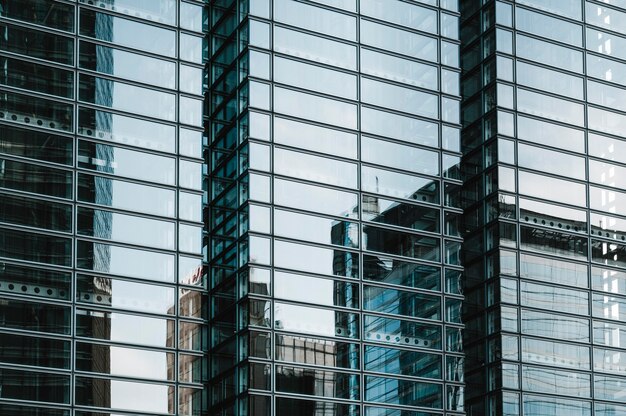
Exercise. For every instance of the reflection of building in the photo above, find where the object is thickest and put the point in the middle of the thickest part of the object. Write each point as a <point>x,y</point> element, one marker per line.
<point>339,259</point>
<point>327,275</point>
<point>101,276</point>
<point>544,207</point>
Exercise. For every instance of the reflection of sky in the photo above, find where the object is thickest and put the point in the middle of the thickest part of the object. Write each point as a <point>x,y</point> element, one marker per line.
<point>151,298</point>
<point>138,329</point>
<point>305,319</point>
<point>140,397</point>
<point>138,363</point>
<point>137,230</point>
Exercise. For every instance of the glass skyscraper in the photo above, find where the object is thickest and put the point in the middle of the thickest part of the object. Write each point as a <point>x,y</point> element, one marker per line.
<point>334,208</point>
<point>102,299</point>
<point>312,207</point>
<point>544,179</point>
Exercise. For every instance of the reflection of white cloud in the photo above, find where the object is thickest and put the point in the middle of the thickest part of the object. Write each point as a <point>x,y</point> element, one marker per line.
<point>138,363</point>
<point>304,319</point>
<point>139,397</point>
<point>139,330</point>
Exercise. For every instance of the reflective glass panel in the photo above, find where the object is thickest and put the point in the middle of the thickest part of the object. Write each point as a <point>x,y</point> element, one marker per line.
<point>35,43</point>
<point>124,294</point>
<point>399,156</point>
<point>125,328</point>
<point>126,163</point>
<point>314,48</point>
<point>315,168</point>
<point>315,138</point>
<point>399,41</point>
<point>125,32</point>
<point>401,244</point>
<point>106,258</point>
<point>315,19</point>
<point>131,66</point>
<point>126,130</point>
<point>126,195</point>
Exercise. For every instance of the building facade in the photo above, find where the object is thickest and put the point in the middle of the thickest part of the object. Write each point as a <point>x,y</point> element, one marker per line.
<point>316,207</point>
<point>544,181</point>
<point>102,298</point>
<point>335,208</point>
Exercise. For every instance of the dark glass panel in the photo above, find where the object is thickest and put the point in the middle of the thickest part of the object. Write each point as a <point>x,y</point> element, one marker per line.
<point>315,351</point>
<point>396,272</point>
<point>36,145</point>
<point>35,316</point>
<point>610,254</point>
<point>34,282</point>
<point>36,43</point>
<point>30,385</point>
<point>401,244</point>
<point>401,302</point>
<point>400,214</point>
<point>36,213</point>
<point>42,12</point>
<point>35,247</point>
<point>36,111</point>
<point>35,178</point>
<point>36,77</point>
<point>289,407</point>
<point>41,352</point>
<point>317,382</point>
<point>15,410</point>
<point>402,362</point>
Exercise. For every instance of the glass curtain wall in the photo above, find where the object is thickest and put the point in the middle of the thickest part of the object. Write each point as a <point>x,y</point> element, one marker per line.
<point>544,197</point>
<point>334,151</point>
<point>102,284</point>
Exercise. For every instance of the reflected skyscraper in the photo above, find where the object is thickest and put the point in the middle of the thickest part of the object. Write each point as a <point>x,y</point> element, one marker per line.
<point>315,207</point>
<point>544,207</point>
<point>334,208</point>
<point>101,277</point>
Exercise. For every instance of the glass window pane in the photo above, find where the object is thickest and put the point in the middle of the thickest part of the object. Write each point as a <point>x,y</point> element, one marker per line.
<point>123,294</point>
<point>126,195</point>
<point>315,19</point>
<point>399,41</point>
<point>399,156</point>
<point>314,48</point>
<point>315,168</point>
<point>127,65</point>
<point>126,97</point>
<point>398,98</point>
<point>125,328</point>
<point>125,32</point>
<point>315,108</point>
<point>123,261</point>
<point>117,128</point>
<point>35,43</point>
